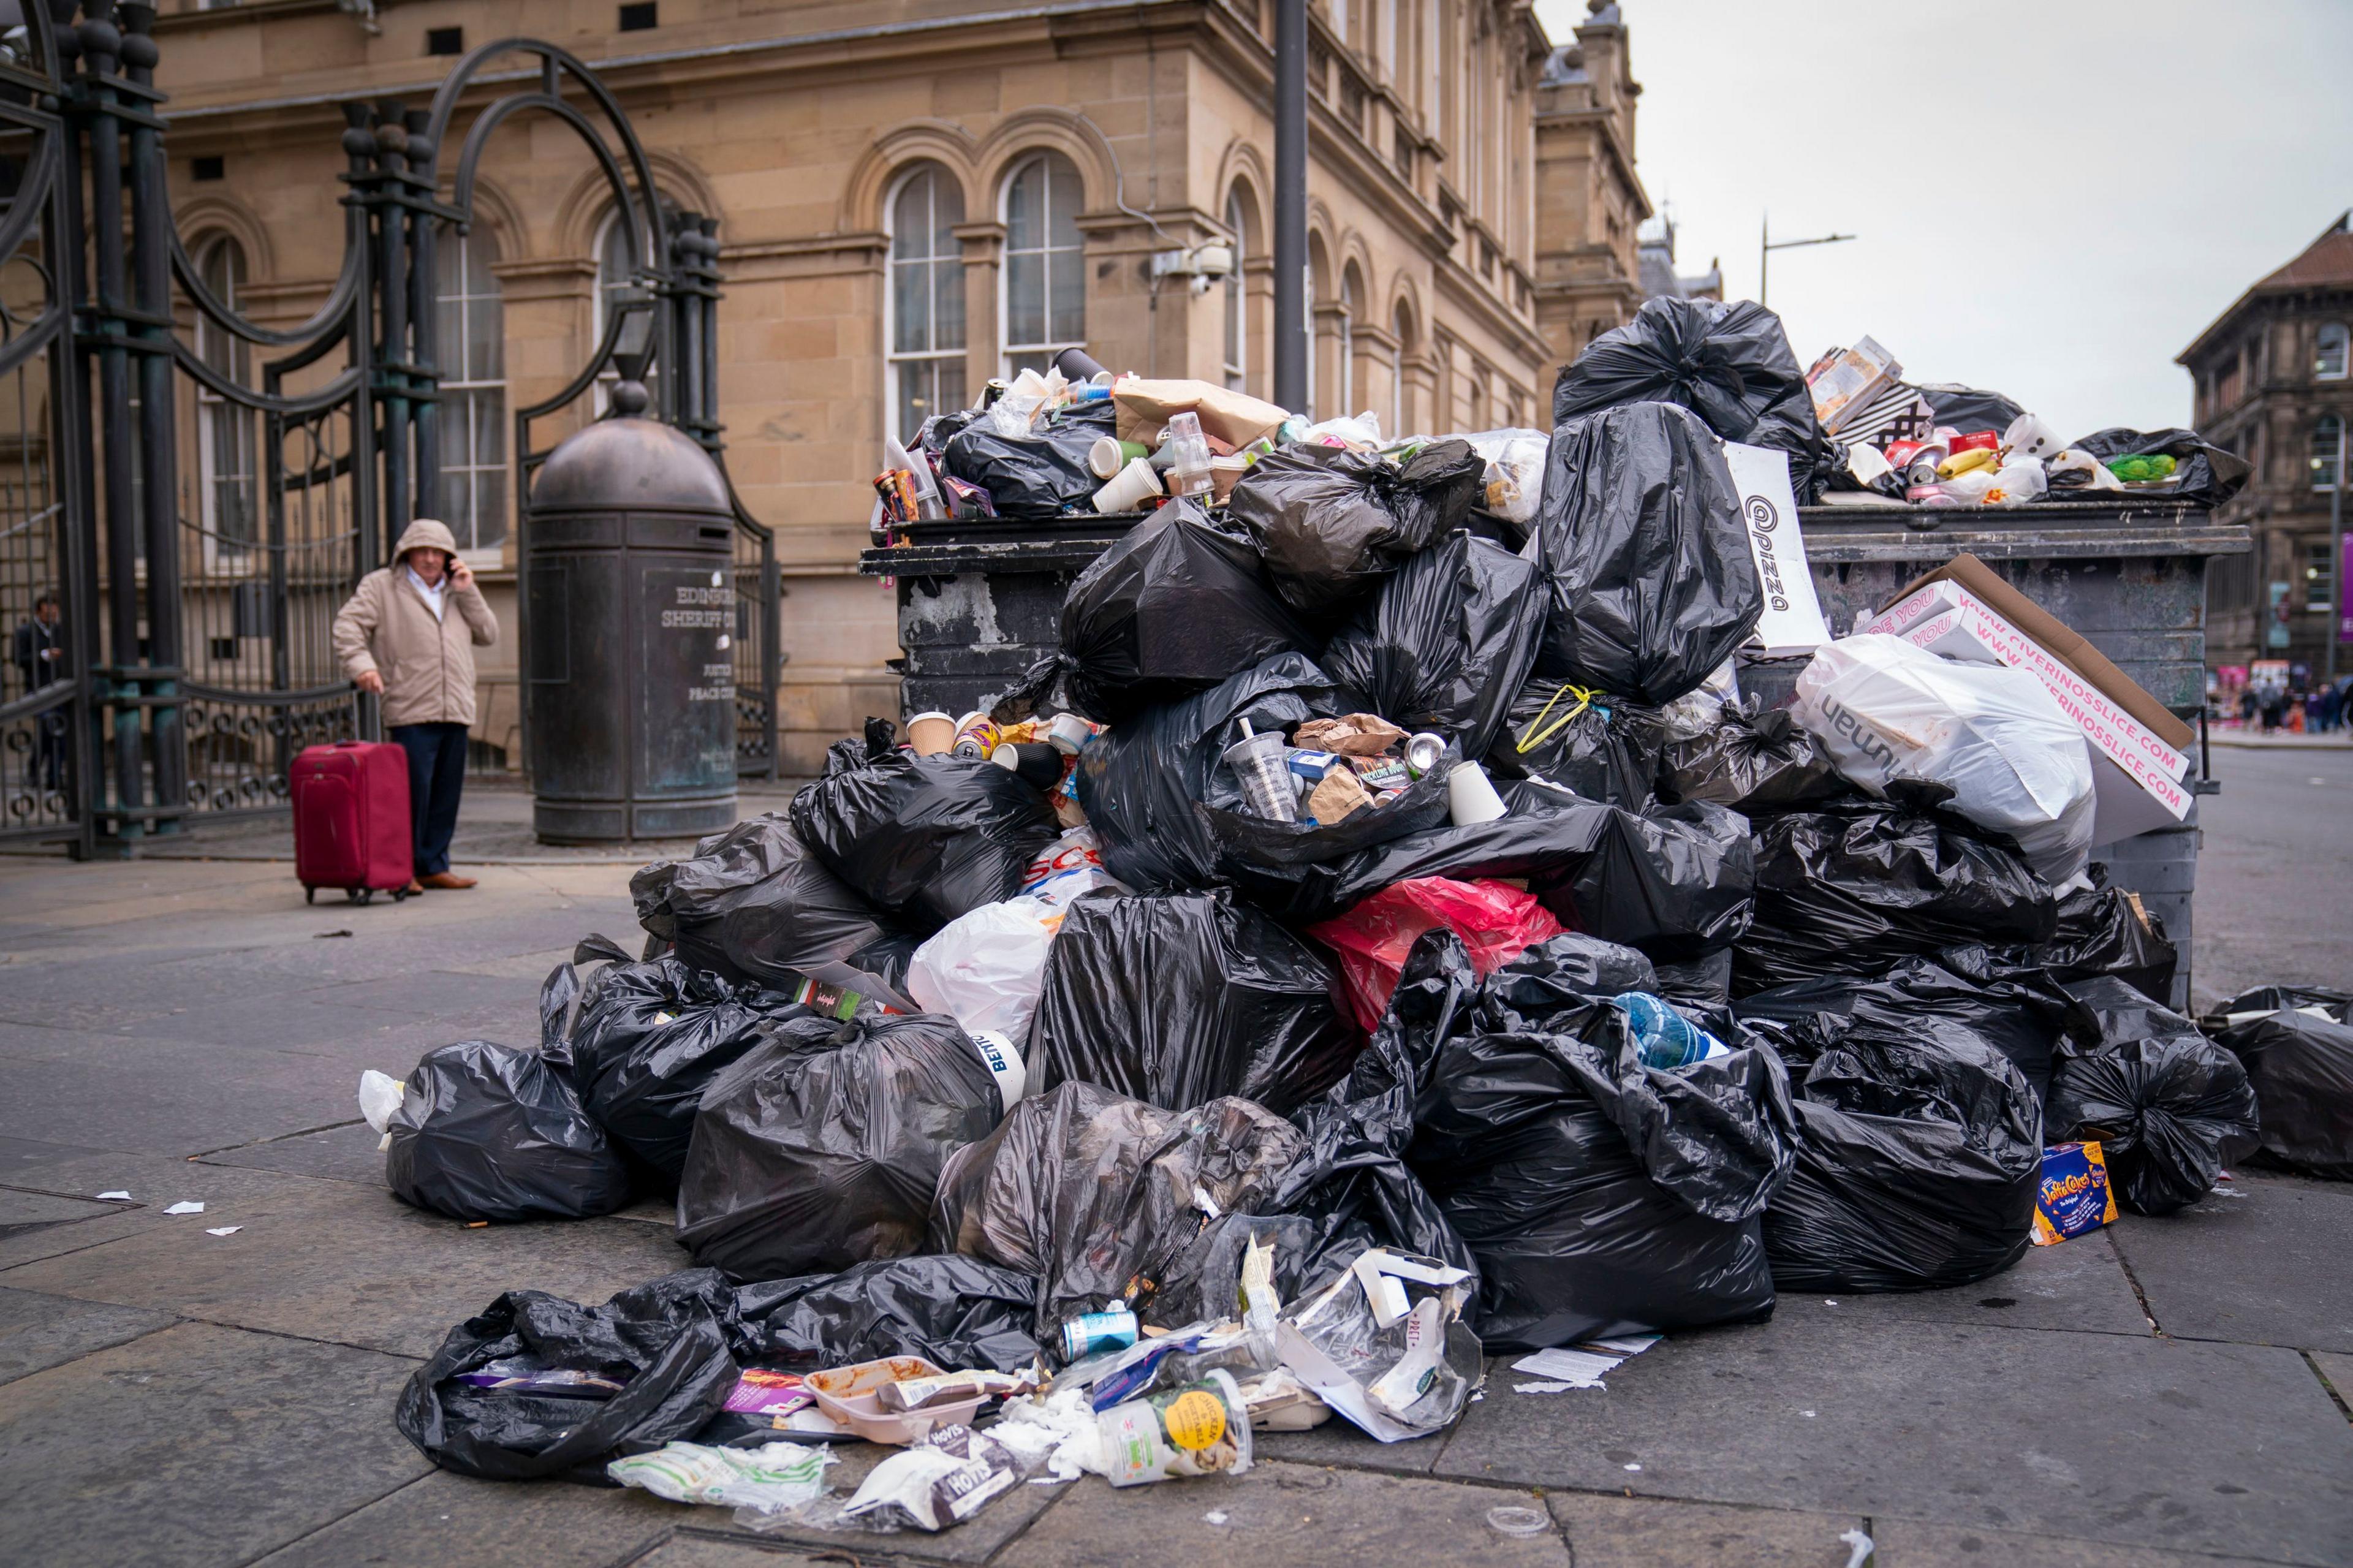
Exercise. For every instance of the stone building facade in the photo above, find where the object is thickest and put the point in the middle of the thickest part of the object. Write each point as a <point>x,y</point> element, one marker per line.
<point>2274,383</point>
<point>916,195</point>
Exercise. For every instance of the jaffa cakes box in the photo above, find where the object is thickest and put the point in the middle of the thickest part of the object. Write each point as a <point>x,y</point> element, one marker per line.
<point>2076,1197</point>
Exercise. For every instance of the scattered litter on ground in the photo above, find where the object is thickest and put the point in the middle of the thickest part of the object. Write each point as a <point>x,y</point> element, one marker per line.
<point>116,1197</point>
<point>185,1207</point>
<point>225,1230</point>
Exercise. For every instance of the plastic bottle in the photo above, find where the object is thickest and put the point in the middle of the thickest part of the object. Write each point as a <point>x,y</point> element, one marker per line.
<point>1665,1037</point>
<point>1190,472</point>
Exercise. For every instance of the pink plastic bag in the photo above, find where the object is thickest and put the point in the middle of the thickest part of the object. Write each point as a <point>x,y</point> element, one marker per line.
<point>1495,920</point>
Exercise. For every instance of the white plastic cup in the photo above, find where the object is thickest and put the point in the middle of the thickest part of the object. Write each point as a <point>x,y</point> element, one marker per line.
<point>2027,437</point>
<point>1259,765</point>
<point>1135,485</point>
<point>1471,797</point>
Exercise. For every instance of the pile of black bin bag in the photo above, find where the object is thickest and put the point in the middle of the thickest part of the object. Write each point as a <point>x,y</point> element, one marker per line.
<point>1911,1013</point>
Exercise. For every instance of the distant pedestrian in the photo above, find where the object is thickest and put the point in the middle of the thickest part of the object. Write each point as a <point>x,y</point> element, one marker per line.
<point>39,655</point>
<point>398,636</point>
<point>2332,706</point>
<point>2247,706</point>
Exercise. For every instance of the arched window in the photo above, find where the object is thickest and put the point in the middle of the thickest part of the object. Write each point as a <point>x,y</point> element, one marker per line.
<point>224,431</point>
<point>925,330</point>
<point>2328,451</point>
<point>1045,263</point>
<point>2329,352</point>
<point>618,266</point>
<point>470,352</point>
<point>1237,358</point>
<point>1352,291</point>
<point>1402,323</point>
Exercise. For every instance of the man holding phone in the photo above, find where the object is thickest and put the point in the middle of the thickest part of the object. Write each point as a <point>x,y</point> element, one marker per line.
<point>408,633</point>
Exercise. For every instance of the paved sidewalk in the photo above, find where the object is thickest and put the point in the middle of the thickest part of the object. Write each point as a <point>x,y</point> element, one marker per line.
<point>2172,1392</point>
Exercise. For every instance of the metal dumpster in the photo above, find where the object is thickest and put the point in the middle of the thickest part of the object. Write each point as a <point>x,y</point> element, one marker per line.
<point>978,602</point>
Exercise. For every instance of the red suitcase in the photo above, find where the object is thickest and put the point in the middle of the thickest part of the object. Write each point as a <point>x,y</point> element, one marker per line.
<point>350,820</point>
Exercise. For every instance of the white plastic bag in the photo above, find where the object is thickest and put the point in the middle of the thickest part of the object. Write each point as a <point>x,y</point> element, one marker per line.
<point>1885,709</point>
<point>1070,869</point>
<point>986,969</point>
<point>380,1097</point>
<point>1516,464</point>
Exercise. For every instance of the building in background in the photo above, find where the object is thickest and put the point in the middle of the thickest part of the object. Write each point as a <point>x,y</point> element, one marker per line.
<point>2273,382</point>
<point>1655,258</point>
<point>914,197</point>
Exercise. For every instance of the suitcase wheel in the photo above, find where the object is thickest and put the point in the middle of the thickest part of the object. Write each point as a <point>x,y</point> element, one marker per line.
<point>310,894</point>
<point>367,895</point>
<point>399,895</point>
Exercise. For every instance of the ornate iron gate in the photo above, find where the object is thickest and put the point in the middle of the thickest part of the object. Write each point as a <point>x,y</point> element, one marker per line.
<point>196,493</point>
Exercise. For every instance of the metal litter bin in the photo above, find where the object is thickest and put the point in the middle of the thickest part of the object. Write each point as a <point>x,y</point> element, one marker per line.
<point>629,620</point>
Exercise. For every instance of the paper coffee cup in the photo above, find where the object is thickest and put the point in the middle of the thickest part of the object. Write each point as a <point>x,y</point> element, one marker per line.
<point>931,733</point>
<point>1104,460</point>
<point>1471,797</point>
<point>1135,485</point>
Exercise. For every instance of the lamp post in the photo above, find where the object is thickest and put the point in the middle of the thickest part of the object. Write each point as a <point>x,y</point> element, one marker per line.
<point>2336,555</point>
<point>1767,244</point>
<point>1291,204</point>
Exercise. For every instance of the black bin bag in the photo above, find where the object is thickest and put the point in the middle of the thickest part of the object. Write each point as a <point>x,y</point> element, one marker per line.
<point>1330,523</point>
<point>1041,474</point>
<point>1182,998</point>
<point>1446,642</point>
<point>923,839</point>
<point>648,1040</point>
<point>2104,930</point>
<point>1094,1192</point>
<point>2163,1100</point>
<point>1174,607</point>
<point>821,1148</point>
<point>2018,1016</point>
<point>2203,473</point>
<point>1756,764</point>
<point>1652,584</point>
<point>1599,746</point>
<point>2297,1046</point>
<point>1856,883</point>
<point>754,903</point>
<point>1728,361</point>
<point>1352,1183</point>
<point>952,1312</point>
<point>667,1344</point>
<point>1146,784</point>
<point>485,1132</point>
<point>1674,882</point>
<point>1918,1164</point>
<point>1601,1196</point>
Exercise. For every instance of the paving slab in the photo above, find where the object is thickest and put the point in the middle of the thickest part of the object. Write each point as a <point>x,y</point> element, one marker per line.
<point>2087,1435</point>
<point>23,1153</point>
<point>1282,1514</point>
<point>1643,1533</point>
<point>2079,1284</point>
<point>2269,1268</point>
<point>22,1210</point>
<point>2336,1371</point>
<point>346,1153</point>
<point>332,1260</point>
<point>39,1331</point>
<point>446,1521</point>
<point>1906,1543</point>
<point>154,1182</point>
<point>684,1550</point>
<point>196,1445</point>
<point>176,1097</point>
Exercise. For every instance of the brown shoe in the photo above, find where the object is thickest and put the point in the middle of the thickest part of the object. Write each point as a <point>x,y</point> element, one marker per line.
<point>414,886</point>
<point>446,880</point>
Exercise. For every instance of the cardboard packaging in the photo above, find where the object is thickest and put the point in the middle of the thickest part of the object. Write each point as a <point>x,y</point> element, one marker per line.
<point>2136,767</point>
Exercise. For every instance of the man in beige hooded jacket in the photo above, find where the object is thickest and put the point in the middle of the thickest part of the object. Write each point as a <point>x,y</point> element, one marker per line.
<point>410,632</point>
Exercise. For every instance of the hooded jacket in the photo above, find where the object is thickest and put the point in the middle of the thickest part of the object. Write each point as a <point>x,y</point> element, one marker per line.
<point>427,665</point>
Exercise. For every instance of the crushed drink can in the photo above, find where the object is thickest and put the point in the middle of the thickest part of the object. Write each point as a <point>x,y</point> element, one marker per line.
<point>1422,751</point>
<point>1113,1329</point>
<point>977,736</point>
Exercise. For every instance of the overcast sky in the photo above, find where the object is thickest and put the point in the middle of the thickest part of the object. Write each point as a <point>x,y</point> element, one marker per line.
<point>2053,199</point>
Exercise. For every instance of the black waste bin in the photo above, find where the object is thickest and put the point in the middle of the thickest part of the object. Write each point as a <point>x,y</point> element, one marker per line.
<point>628,611</point>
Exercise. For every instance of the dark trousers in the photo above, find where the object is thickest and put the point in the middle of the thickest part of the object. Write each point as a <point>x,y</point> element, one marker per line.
<point>437,773</point>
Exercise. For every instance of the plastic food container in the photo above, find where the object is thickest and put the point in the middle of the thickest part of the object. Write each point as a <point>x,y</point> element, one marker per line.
<point>848,1393</point>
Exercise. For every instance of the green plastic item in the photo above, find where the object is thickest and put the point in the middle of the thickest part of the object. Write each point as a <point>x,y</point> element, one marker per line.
<point>2141,468</point>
